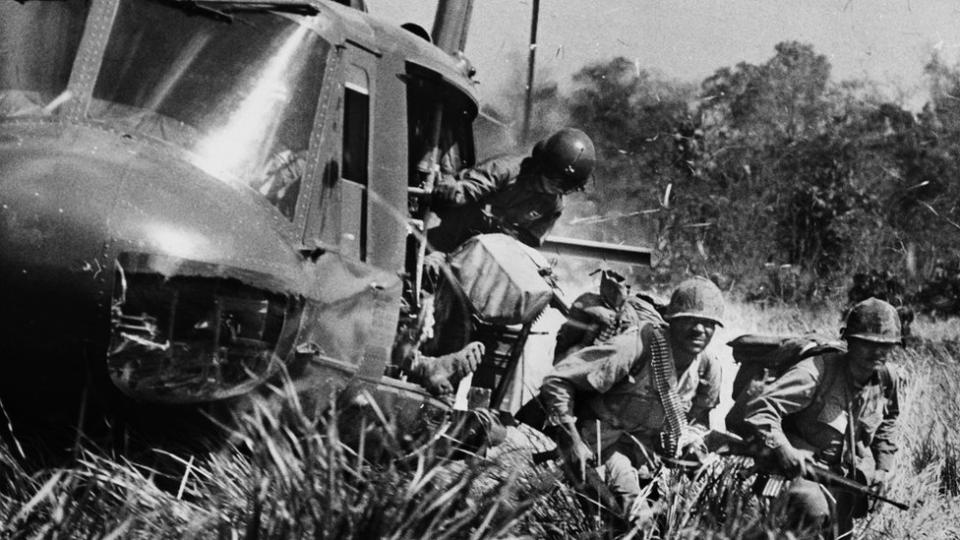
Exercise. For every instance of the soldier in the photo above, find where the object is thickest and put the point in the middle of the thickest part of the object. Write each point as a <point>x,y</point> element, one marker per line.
<point>648,390</point>
<point>520,196</point>
<point>524,194</point>
<point>833,409</point>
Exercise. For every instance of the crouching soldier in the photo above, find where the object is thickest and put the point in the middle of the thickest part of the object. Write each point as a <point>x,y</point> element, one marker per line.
<point>644,392</point>
<point>831,411</point>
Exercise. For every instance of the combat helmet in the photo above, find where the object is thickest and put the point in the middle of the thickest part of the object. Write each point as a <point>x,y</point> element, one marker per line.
<point>873,320</point>
<point>696,297</point>
<point>567,156</point>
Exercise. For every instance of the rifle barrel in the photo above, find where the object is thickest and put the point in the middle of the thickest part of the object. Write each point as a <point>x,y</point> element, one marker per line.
<point>826,476</point>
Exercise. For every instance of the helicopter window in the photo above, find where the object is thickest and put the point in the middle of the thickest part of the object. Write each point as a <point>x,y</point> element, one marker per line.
<point>240,93</point>
<point>356,112</point>
<point>38,44</point>
<point>356,121</point>
<point>455,140</point>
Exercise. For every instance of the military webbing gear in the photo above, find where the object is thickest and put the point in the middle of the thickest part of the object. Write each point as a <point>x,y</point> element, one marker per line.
<point>696,297</point>
<point>610,330</point>
<point>873,320</point>
<point>664,378</point>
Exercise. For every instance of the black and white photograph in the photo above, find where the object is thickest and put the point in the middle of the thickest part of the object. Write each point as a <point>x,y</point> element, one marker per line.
<point>480,269</point>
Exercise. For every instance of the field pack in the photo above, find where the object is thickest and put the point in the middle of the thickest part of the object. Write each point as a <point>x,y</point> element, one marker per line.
<point>639,309</point>
<point>763,358</point>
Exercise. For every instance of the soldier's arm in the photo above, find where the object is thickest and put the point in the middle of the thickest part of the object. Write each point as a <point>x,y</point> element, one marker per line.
<point>708,393</point>
<point>884,446</point>
<point>473,184</point>
<point>592,369</point>
<point>792,392</point>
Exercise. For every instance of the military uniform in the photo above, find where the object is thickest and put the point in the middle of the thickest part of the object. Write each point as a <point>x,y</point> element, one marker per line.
<point>613,384</point>
<point>817,406</point>
<point>503,194</point>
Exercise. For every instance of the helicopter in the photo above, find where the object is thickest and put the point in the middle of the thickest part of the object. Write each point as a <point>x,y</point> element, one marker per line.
<point>199,195</point>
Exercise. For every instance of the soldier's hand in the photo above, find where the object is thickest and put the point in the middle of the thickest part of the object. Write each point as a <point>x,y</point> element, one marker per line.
<point>469,359</point>
<point>445,191</point>
<point>880,480</point>
<point>602,315</point>
<point>791,461</point>
<point>691,445</point>
<point>879,483</point>
<point>574,451</point>
<point>579,455</point>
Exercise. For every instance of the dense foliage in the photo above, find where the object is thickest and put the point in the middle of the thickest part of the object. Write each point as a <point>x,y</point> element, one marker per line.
<point>772,164</point>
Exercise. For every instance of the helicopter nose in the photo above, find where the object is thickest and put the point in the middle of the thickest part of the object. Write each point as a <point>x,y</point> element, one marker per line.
<point>54,300</point>
<point>53,234</point>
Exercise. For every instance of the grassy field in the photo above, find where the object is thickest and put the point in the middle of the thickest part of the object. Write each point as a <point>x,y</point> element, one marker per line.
<point>291,478</point>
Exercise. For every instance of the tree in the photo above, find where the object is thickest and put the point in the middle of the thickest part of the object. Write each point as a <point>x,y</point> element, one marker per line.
<point>773,163</point>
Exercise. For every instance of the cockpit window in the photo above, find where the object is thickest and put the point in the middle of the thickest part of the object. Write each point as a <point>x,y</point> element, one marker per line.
<point>38,44</point>
<point>240,93</point>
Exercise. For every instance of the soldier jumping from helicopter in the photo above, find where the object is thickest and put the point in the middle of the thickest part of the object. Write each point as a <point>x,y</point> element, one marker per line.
<point>518,195</point>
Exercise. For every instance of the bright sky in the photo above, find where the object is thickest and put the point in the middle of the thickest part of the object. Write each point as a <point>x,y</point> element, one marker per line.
<point>887,41</point>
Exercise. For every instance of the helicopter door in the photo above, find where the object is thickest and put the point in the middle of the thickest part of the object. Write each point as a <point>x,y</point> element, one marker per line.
<point>354,206</point>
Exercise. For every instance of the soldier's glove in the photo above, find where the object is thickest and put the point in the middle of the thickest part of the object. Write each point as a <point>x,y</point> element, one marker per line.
<point>791,461</point>
<point>445,191</point>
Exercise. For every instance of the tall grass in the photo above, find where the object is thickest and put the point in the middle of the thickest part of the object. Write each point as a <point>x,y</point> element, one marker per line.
<point>283,475</point>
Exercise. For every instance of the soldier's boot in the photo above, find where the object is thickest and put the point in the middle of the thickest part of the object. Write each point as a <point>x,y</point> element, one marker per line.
<point>438,374</point>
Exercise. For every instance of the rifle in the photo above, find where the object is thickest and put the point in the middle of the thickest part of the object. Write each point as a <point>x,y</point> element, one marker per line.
<point>724,443</point>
